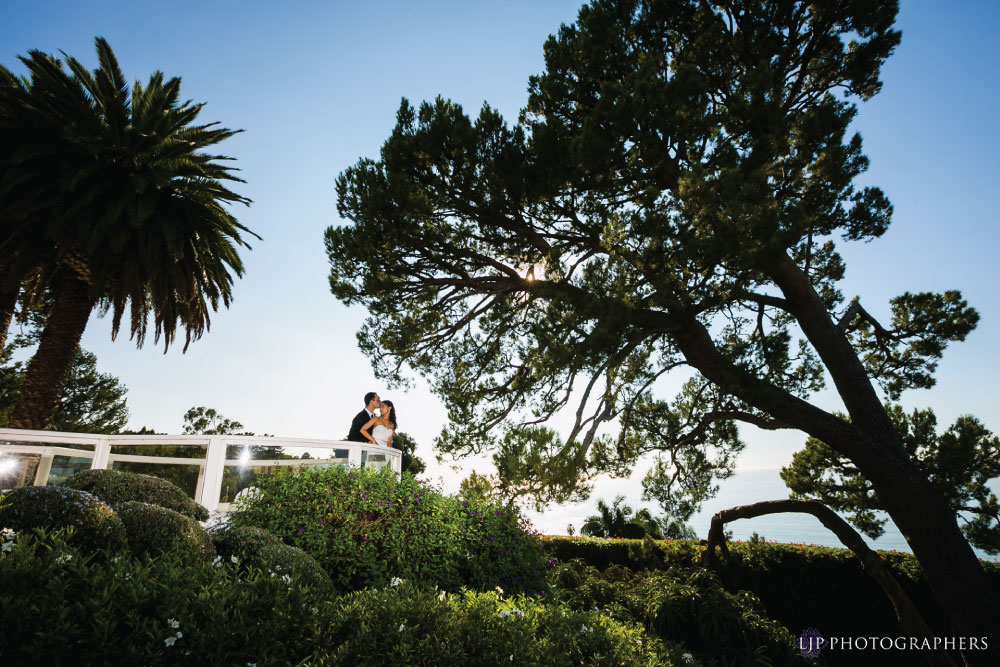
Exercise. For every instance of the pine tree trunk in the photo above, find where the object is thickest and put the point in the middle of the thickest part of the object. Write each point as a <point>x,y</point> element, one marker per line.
<point>953,572</point>
<point>47,371</point>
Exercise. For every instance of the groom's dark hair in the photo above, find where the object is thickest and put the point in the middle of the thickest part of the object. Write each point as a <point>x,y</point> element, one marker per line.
<point>368,397</point>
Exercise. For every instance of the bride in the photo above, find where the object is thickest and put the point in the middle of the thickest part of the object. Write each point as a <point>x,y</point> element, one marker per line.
<point>384,425</point>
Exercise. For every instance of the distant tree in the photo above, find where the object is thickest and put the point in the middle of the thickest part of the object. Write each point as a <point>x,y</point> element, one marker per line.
<point>477,486</point>
<point>206,421</point>
<point>671,197</point>
<point>109,199</point>
<point>960,463</point>
<point>411,463</point>
<point>202,420</point>
<point>570,530</point>
<point>90,401</point>
<point>615,520</point>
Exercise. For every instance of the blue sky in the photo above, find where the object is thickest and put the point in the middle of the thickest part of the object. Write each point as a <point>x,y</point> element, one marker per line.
<point>316,86</point>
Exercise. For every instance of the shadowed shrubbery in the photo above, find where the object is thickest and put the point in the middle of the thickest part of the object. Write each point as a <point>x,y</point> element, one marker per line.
<point>64,606</point>
<point>152,530</point>
<point>256,548</point>
<point>685,605</point>
<point>115,486</point>
<point>365,527</point>
<point>95,524</point>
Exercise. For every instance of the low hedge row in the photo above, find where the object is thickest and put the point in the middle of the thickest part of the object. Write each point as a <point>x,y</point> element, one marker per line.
<point>800,585</point>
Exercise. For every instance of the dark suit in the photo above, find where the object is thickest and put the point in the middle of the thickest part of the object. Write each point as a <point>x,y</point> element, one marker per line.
<point>360,420</point>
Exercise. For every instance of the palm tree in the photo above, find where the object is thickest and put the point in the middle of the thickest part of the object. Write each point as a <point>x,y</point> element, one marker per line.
<point>111,201</point>
<point>613,521</point>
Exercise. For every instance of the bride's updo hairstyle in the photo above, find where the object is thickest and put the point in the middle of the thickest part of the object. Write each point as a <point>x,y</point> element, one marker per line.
<point>392,414</point>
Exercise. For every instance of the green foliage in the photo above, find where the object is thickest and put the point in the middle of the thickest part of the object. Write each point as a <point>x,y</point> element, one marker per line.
<point>206,421</point>
<point>115,487</point>
<point>620,520</point>
<point>61,605</point>
<point>95,525</point>
<point>257,548</point>
<point>122,179</point>
<point>365,527</point>
<point>675,161</point>
<point>152,530</point>
<point>477,486</point>
<point>411,463</point>
<point>960,463</point>
<point>794,581</point>
<point>688,606</point>
<point>90,402</point>
<point>409,625</point>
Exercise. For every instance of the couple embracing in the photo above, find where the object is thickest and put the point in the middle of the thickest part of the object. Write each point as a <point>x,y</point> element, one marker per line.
<point>376,428</point>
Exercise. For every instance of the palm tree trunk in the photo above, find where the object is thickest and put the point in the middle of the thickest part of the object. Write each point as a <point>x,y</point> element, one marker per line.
<point>8,299</point>
<point>47,371</point>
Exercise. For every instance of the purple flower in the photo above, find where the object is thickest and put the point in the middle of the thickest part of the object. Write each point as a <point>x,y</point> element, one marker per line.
<point>517,578</point>
<point>365,538</point>
<point>503,551</point>
<point>492,539</point>
<point>301,530</point>
<point>499,513</point>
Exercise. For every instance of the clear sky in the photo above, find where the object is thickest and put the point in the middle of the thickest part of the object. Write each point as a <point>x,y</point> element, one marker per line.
<point>316,86</point>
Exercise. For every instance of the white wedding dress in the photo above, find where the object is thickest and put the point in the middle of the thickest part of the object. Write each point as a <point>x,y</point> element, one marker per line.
<point>382,434</point>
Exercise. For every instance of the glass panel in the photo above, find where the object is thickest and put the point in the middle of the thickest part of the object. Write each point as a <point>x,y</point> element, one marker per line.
<point>18,469</point>
<point>64,467</point>
<point>377,460</point>
<point>184,476</point>
<point>166,451</point>
<point>235,478</point>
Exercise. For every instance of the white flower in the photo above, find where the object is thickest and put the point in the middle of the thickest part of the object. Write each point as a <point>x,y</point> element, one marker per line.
<point>442,595</point>
<point>401,626</point>
<point>396,581</point>
<point>584,628</point>
<point>65,558</point>
<point>287,578</point>
<point>179,634</point>
<point>234,558</point>
<point>505,612</point>
<point>8,534</point>
<point>174,623</point>
<point>687,657</point>
<point>314,610</point>
<point>170,641</point>
<point>7,546</point>
<point>499,590</point>
<point>512,657</point>
<point>217,561</point>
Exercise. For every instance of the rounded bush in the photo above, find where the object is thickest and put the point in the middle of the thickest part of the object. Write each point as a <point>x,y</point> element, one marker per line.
<point>153,530</point>
<point>116,486</point>
<point>96,524</point>
<point>255,547</point>
<point>366,527</point>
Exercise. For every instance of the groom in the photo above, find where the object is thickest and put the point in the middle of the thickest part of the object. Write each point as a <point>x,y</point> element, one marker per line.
<point>372,403</point>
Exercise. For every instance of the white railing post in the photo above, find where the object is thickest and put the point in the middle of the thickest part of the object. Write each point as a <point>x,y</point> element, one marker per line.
<point>102,450</point>
<point>215,463</point>
<point>354,455</point>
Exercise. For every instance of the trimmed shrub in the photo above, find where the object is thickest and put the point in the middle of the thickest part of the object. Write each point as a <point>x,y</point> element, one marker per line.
<point>365,527</point>
<point>116,486</point>
<point>96,526</point>
<point>62,606</point>
<point>795,582</point>
<point>689,606</point>
<point>410,625</point>
<point>255,547</point>
<point>153,530</point>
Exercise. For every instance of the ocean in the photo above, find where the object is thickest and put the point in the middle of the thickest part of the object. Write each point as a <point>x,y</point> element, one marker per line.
<point>745,487</point>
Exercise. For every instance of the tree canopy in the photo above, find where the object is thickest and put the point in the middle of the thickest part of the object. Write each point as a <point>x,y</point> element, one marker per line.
<point>670,199</point>
<point>960,463</point>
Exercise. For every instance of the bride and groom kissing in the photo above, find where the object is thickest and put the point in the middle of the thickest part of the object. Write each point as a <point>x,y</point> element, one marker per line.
<point>368,426</point>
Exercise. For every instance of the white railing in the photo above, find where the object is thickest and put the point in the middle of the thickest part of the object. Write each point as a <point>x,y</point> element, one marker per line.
<point>212,469</point>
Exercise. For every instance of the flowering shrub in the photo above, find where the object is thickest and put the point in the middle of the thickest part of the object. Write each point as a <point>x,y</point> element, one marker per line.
<point>115,486</point>
<point>152,529</point>
<point>365,527</point>
<point>96,525</point>
<point>251,547</point>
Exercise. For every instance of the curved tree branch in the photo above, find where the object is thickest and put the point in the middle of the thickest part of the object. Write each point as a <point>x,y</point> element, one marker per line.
<point>907,614</point>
